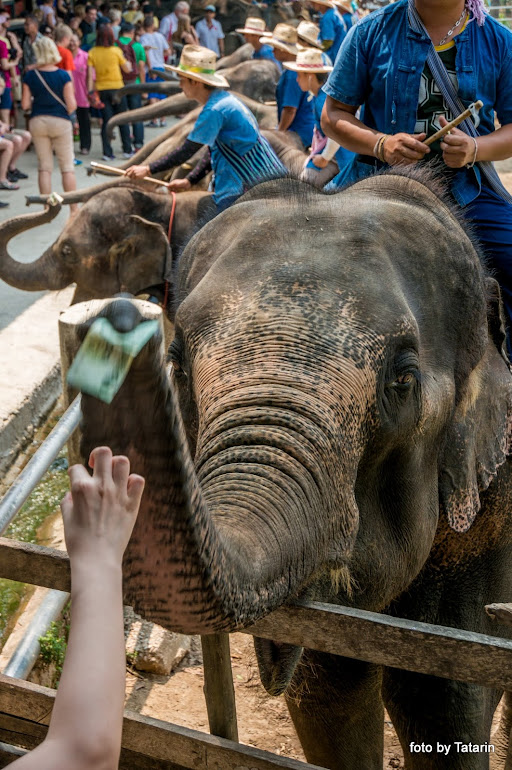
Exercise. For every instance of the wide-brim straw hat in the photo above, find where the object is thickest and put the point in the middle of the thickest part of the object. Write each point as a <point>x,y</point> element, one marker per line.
<point>283,37</point>
<point>198,63</point>
<point>327,3</point>
<point>308,32</point>
<point>254,26</point>
<point>344,6</point>
<point>310,61</point>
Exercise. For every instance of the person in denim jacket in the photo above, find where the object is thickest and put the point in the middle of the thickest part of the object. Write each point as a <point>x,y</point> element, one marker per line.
<point>381,67</point>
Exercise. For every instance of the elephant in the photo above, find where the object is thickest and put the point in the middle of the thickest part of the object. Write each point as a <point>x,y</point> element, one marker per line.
<point>256,80</point>
<point>116,242</point>
<point>334,425</point>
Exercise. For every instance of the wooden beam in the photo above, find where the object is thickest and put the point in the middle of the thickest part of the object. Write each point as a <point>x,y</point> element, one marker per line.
<point>34,564</point>
<point>25,710</point>
<point>413,646</point>
<point>422,647</point>
<point>219,691</point>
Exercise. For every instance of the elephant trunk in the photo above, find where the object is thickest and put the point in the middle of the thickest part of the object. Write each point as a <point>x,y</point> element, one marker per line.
<point>45,272</point>
<point>77,196</point>
<point>216,546</point>
<point>178,104</point>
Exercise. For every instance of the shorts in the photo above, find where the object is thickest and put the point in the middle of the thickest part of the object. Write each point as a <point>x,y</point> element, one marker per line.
<point>53,135</point>
<point>6,99</point>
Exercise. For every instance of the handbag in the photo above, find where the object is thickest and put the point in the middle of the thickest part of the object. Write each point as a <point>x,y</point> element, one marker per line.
<point>95,101</point>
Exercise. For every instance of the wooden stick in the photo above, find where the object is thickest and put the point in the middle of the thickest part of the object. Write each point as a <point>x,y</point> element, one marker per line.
<point>122,172</point>
<point>454,123</point>
<point>219,691</point>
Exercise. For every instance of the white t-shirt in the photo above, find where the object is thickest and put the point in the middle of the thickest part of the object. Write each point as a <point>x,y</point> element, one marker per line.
<point>157,47</point>
<point>168,25</point>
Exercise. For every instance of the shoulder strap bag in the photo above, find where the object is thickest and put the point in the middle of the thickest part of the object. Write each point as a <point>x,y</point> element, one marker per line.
<point>45,84</point>
<point>454,103</point>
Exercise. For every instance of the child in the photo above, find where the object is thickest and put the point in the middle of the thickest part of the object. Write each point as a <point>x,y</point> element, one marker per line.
<point>99,514</point>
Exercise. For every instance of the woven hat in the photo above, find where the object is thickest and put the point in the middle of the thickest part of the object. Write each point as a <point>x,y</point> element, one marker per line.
<point>283,37</point>
<point>254,26</point>
<point>343,5</point>
<point>308,60</point>
<point>198,63</point>
<point>308,32</point>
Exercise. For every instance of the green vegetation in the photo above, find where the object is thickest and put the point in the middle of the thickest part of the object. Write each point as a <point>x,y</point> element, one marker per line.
<point>53,645</point>
<point>43,502</point>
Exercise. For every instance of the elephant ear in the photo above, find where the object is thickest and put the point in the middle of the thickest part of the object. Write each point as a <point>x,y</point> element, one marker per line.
<point>143,256</point>
<point>480,437</point>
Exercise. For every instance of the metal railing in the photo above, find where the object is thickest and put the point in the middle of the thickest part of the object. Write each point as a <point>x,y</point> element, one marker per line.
<point>27,651</point>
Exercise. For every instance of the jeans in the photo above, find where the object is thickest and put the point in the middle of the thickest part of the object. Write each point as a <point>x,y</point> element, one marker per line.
<point>134,101</point>
<point>107,112</point>
<point>84,123</point>
<point>491,218</point>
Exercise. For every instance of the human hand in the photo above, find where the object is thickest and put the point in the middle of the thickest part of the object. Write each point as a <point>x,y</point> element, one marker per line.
<point>404,148</point>
<point>138,172</point>
<point>319,162</point>
<point>100,511</point>
<point>179,185</point>
<point>458,148</point>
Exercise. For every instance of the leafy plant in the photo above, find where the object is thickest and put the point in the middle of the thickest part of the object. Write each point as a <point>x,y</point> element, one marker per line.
<point>54,644</point>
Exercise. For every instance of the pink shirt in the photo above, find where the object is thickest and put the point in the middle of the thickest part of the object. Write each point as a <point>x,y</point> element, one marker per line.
<point>4,54</point>
<point>79,76</point>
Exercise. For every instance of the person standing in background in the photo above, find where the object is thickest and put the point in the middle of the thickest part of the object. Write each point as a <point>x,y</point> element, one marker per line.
<point>108,62</point>
<point>157,49</point>
<point>88,27</point>
<point>209,31</point>
<point>62,36</point>
<point>116,18</point>
<point>169,24</point>
<point>333,29</point>
<point>48,94</point>
<point>79,76</point>
<point>31,28</point>
<point>48,13</point>
<point>138,61</point>
<point>345,11</point>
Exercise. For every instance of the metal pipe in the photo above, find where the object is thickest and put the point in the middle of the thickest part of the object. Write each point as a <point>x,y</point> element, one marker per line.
<point>31,475</point>
<point>27,651</point>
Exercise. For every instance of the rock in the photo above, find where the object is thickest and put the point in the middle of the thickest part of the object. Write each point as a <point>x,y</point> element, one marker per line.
<point>152,648</point>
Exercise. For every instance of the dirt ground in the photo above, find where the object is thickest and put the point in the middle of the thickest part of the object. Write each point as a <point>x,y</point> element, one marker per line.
<point>263,721</point>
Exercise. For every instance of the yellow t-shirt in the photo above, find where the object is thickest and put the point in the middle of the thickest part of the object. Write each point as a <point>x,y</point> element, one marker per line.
<point>107,65</point>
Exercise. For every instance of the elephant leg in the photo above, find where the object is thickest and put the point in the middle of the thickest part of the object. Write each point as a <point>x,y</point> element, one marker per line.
<point>441,724</point>
<point>336,707</point>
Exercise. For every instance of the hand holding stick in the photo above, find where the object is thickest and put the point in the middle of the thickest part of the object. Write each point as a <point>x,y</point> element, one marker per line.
<point>122,172</point>
<point>472,111</point>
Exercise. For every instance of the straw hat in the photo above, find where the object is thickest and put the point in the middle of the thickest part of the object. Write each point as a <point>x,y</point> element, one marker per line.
<point>198,63</point>
<point>283,37</point>
<point>343,5</point>
<point>309,60</point>
<point>309,32</point>
<point>254,26</point>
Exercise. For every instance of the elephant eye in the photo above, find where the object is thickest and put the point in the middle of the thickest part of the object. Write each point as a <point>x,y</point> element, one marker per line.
<point>175,357</point>
<point>403,382</point>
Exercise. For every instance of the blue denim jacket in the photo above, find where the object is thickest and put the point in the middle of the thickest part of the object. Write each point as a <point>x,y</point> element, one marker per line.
<point>380,65</point>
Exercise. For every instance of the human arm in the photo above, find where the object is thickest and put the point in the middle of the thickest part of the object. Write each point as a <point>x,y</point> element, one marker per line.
<point>287,118</point>
<point>172,159</point>
<point>123,63</point>
<point>69,97</point>
<point>459,148</point>
<point>339,122</point>
<point>26,98</point>
<point>90,78</point>
<point>324,158</point>
<point>99,515</point>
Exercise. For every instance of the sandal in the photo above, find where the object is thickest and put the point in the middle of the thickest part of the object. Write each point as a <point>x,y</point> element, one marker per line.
<point>9,186</point>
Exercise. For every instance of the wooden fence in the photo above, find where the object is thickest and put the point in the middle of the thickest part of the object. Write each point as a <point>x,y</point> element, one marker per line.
<point>155,745</point>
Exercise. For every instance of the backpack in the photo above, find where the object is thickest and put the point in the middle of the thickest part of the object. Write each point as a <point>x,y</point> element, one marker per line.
<point>129,55</point>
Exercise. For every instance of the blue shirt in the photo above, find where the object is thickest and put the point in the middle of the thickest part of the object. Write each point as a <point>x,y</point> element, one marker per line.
<point>225,119</point>
<point>348,18</point>
<point>288,94</point>
<point>44,103</point>
<point>209,36</point>
<point>267,52</point>
<point>332,27</point>
<point>380,65</point>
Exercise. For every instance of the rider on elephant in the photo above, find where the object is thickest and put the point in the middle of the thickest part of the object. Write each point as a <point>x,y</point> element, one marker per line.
<point>239,155</point>
<point>327,157</point>
<point>294,111</point>
<point>254,33</point>
<point>333,29</point>
<point>400,64</point>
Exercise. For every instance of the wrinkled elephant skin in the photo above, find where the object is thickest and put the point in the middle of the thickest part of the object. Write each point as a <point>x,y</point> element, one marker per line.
<point>336,426</point>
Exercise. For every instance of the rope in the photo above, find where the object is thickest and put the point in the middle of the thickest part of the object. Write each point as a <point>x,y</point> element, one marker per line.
<point>171,222</point>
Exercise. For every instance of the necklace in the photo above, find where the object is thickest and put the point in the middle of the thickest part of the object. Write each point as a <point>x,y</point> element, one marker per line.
<point>452,30</point>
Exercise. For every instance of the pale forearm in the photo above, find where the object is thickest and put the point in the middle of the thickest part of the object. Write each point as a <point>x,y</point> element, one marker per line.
<point>347,130</point>
<point>495,146</point>
<point>92,705</point>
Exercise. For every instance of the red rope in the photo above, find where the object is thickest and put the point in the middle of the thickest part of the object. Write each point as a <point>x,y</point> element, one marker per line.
<point>171,221</point>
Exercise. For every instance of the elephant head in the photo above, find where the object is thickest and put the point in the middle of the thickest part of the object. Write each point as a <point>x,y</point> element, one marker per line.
<point>117,242</point>
<point>335,372</point>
